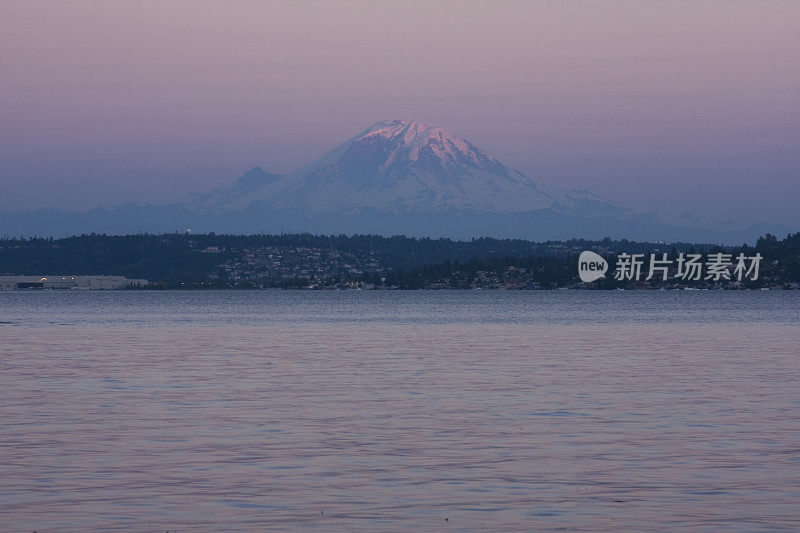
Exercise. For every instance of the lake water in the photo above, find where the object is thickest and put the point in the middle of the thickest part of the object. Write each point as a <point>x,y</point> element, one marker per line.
<point>422,411</point>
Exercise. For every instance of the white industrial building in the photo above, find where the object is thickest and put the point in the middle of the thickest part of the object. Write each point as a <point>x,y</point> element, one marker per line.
<point>10,283</point>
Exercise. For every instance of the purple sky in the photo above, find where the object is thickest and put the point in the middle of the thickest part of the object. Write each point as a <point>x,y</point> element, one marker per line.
<point>692,105</point>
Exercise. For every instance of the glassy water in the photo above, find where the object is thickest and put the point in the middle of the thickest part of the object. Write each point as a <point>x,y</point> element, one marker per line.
<point>431,411</point>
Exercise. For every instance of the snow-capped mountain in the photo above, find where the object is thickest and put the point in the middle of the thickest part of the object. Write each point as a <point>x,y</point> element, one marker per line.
<point>395,177</point>
<point>400,166</point>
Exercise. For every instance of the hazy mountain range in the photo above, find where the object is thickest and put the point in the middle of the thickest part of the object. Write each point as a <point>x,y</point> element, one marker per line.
<point>395,177</point>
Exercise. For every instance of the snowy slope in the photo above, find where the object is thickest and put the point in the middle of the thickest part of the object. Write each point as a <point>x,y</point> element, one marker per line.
<point>399,166</point>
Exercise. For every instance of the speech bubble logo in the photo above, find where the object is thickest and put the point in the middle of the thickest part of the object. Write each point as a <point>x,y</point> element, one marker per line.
<point>591,266</point>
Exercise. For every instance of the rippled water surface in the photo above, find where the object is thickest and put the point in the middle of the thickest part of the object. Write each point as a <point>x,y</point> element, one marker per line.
<point>422,411</point>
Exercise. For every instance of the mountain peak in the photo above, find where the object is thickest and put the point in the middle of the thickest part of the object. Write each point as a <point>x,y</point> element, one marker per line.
<point>408,129</point>
<point>408,137</point>
<point>400,166</point>
<point>239,193</point>
<point>257,176</point>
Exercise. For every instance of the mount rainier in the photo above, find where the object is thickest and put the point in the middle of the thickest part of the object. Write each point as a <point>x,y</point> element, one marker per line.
<point>395,177</point>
